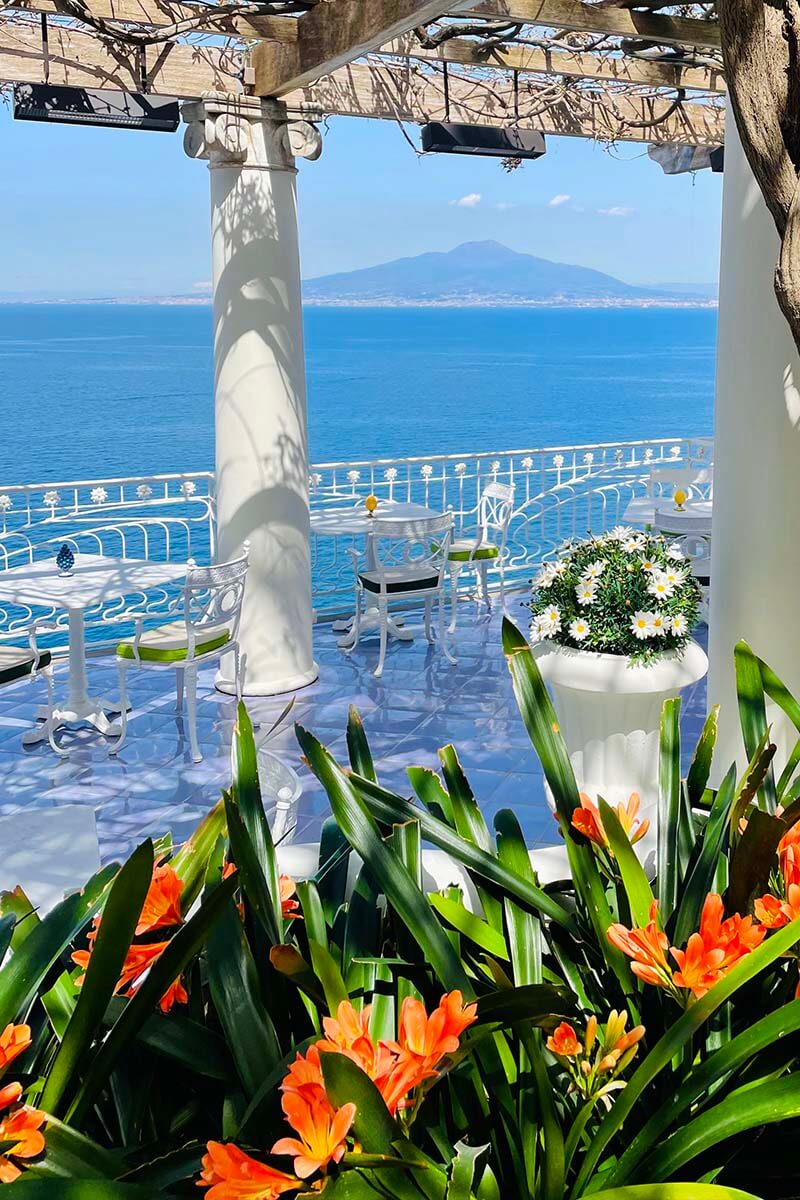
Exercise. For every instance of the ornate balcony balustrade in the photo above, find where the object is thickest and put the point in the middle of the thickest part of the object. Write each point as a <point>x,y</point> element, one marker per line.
<point>560,493</point>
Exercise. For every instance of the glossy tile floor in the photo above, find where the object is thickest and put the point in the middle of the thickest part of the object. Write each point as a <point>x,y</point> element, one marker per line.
<point>421,703</point>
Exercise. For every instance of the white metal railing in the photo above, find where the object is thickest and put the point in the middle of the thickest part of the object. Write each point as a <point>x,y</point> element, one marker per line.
<point>561,492</point>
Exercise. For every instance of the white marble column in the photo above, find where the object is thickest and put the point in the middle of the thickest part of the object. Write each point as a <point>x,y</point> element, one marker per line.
<point>260,387</point>
<point>755,564</point>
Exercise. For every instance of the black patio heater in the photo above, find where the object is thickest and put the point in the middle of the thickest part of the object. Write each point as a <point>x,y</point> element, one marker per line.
<point>80,106</point>
<point>487,141</point>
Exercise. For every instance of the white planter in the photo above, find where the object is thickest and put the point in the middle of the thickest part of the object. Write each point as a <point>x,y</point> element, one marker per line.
<point>609,711</point>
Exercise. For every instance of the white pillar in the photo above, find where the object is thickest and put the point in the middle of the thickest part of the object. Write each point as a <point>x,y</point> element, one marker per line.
<point>755,563</point>
<point>260,388</point>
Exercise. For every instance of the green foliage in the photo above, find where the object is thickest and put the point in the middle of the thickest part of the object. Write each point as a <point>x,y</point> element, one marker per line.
<point>703,1089</point>
<point>624,592</point>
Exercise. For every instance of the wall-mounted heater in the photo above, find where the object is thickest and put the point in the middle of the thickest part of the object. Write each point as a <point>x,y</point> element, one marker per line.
<point>77,106</point>
<point>439,137</point>
<point>679,160</point>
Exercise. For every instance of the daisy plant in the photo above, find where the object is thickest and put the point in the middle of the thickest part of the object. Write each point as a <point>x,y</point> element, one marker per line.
<point>196,1023</point>
<point>624,592</point>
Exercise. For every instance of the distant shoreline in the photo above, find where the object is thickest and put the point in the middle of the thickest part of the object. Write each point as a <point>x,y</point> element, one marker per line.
<point>205,302</point>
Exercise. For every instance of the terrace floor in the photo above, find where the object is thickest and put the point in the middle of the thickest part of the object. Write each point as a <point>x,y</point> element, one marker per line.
<point>421,703</point>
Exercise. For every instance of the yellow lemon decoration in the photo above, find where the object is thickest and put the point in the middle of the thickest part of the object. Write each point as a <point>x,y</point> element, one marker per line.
<point>371,503</point>
<point>680,499</point>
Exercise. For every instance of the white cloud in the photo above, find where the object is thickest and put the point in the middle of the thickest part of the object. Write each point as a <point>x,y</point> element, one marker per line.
<point>616,211</point>
<point>203,287</point>
<point>561,198</point>
<point>472,200</point>
<point>503,206</point>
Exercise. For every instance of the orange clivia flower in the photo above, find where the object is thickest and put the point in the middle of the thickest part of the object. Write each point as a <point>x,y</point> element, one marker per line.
<point>230,1174</point>
<point>774,913</point>
<point>790,864</point>
<point>162,905</point>
<point>321,1133</point>
<point>564,1041</point>
<point>138,960</point>
<point>647,948</point>
<point>587,820</point>
<point>14,1040</point>
<point>305,1076</point>
<point>289,906</point>
<point>20,1130</point>
<point>431,1038</point>
<point>699,968</point>
<point>9,1095</point>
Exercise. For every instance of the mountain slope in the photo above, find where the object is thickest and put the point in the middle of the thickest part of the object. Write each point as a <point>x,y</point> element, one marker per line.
<point>470,272</point>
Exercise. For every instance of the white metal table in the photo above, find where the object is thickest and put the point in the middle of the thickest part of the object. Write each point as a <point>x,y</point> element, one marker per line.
<point>652,510</point>
<point>93,579</point>
<point>355,521</point>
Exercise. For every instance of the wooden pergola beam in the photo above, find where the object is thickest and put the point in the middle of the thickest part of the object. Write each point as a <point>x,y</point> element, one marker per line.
<point>334,33</point>
<point>580,65</point>
<point>593,18</point>
<point>158,13</point>
<point>81,60</point>
<point>409,94</point>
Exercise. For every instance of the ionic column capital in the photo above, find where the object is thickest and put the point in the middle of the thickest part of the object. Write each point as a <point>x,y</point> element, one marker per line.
<point>247,131</point>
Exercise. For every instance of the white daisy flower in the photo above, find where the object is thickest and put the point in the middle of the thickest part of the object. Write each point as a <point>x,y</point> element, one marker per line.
<point>659,585</point>
<point>658,625</point>
<point>594,570</point>
<point>675,553</point>
<point>620,532</point>
<point>640,625</point>
<point>678,625</point>
<point>648,563</point>
<point>586,593</point>
<point>546,576</point>
<point>579,630</point>
<point>633,543</point>
<point>550,621</point>
<point>674,575</point>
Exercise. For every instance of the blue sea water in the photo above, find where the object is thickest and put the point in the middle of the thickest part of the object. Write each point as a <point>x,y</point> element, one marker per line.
<point>88,391</point>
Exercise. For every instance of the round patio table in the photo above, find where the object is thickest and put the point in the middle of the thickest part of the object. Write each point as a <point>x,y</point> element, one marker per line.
<point>693,518</point>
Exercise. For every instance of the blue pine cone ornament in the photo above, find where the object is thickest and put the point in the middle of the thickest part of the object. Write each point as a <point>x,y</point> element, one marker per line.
<point>65,559</point>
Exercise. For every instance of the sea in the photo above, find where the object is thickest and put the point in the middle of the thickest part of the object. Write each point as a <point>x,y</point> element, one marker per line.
<point>89,391</point>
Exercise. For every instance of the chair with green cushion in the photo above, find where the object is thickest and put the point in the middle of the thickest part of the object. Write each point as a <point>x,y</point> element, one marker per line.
<point>205,626</point>
<point>479,550</point>
<point>29,662</point>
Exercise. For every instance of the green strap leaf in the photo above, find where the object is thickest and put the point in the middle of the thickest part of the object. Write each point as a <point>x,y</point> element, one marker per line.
<point>360,829</point>
<point>634,879</point>
<point>191,861</point>
<point>765,1104</point>
<point>392,809</point>
<point>253,881</point>
<point>753,712</point>
<point>536,1003</point>
<point>374,1127</point>
<point>428,787</point>
<point>69,1154</point>
<point>673,1191</point>
<point>524,931</point>
<point>700,769</point>
<point>469,823</point>
<point>470,926</point>
<point>45,942</point>
<point>669,799</point>
<point>462,1170</point>
<point>121,914</point>
<point>246,795</point>
<point>753,859</point>
<point>329,975</point>
<point>74,1189</point>
<point>358,747</point>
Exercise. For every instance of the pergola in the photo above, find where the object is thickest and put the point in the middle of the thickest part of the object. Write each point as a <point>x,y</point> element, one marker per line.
<point>257,75</point>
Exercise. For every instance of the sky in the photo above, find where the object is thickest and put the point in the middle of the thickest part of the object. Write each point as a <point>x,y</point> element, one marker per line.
<point>96,212</point>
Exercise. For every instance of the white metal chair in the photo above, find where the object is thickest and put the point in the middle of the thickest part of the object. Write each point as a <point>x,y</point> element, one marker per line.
<point>696,547</point>
<point>697,482</point>
<point>487,545</point>
<point>31,662</point>
<point>210,611</point>
<point>406,561</point>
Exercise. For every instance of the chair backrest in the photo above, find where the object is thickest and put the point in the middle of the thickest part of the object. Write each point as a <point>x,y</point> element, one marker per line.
<point>213,595</point>
<point>410,542</point>
<point>496,509</point>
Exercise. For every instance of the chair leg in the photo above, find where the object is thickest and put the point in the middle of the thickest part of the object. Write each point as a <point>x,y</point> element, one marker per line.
<point>455,571</point>
<point>484,574</point>
<point>179,689</point>
<point>384,624</point>
<point>191,712</point>
<point>502,585</point>
<point>351,640</point>
<point>122,675</point>
<point>428,607</point>
<point>444,633</point>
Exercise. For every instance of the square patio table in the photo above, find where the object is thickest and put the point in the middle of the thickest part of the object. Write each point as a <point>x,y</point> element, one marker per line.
<point>93,579</point>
